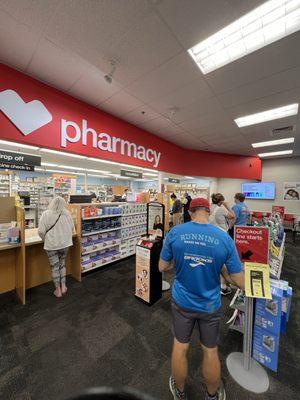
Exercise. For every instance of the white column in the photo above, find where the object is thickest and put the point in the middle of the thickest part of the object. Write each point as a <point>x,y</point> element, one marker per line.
<point>160,182</point>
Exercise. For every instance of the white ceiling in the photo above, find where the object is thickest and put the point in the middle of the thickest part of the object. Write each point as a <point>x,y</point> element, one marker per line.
<point>68,44</point>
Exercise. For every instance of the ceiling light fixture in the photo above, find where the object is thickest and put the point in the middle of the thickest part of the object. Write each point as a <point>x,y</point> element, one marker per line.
<point>102,161</point>
<point>276,153</point>
<point>62,153</point>
<point>273,20</point>
<point>71,167</point>
<point>273,142</point>
<point>21,146</point>
<point>149,174</point>
<point>46,164</point>
<point>99,176</point>
<point>99,171</point>
<point>269,115</point>
<point>189,177</point>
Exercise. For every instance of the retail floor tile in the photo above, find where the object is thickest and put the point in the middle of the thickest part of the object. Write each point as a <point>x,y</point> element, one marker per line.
<point>100,334</point>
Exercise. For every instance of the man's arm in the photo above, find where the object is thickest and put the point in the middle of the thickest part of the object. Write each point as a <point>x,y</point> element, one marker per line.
<point>238,279</point>
<point>230,213</point>
<point>165,265</point>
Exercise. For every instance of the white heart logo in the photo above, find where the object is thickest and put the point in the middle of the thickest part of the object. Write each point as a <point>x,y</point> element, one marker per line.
<point>27,117</point>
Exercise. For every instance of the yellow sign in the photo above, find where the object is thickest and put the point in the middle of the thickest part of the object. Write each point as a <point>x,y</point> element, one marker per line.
<point>274,250</point>
<point>257,280</point>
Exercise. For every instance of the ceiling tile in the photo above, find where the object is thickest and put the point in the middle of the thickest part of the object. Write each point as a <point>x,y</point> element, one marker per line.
<point>196,90</point>
<point>55,65</point>
<point>196,109</point>
<point>272,59</point>
<point>187,141</point>
<point>194,20</point>
<point>169,76</point>
<point>35,15</point>
<point>120,103</point>
<point>13,51</point>
<point>93,28</point>
<point>265,103</point>
<point>264,87</point>
<point>92,87</point>
<point>140,115</point>
<point>198,123</point>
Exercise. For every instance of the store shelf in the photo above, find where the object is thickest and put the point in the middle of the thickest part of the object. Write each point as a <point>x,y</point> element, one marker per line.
<point>101,216</point>
<point>109,244</point>
<point>101,231</point>
<point>134,236</point>
<point>136,213</point>
<point>101,264</point>
<point>130,226</point>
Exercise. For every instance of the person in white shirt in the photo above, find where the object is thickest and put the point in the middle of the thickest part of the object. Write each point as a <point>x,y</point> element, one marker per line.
<point>221,215</point>
<point>56,229</point>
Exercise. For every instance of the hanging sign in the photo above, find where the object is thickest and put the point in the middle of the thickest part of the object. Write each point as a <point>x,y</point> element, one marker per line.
<point>131,174</point>
<point>19,158</point>
<point>252,243</point>
<point>173,180</point>
<point>17,167</point>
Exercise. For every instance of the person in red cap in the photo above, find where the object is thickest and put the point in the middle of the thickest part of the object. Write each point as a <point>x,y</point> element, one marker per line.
<point>198,250</point>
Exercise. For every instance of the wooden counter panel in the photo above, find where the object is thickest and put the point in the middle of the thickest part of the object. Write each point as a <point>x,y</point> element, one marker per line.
<point>7,270</point>
<point>38,267</point>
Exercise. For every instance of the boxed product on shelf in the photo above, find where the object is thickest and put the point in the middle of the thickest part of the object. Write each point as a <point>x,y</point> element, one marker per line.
<point>103,224</point>
<point>4,232</point>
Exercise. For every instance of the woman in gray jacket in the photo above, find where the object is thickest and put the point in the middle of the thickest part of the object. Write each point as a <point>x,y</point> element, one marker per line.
<point>56,229</point>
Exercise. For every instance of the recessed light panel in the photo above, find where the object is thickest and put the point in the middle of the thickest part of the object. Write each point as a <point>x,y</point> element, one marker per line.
<point>62,153</point>
<point>273,142</point>
<point>276,153</point>
<point>21,146</point>
<point>269,115</point>
<point>271,21</point>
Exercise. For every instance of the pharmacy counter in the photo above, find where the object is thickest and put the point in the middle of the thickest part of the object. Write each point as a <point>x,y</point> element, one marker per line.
<point>37,263</point>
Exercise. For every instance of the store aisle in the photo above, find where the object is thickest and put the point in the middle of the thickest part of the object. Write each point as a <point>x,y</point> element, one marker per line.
<point>101,335</point>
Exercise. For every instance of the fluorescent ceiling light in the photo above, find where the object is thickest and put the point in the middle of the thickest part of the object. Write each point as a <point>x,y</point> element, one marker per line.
<point>46,164</point>
<point>99,171</point>
<point>189,177</point>
<point>276,153</point>
<point>58,171</point>
<point>273,20</point>
<point>62,153</point>
<point>99,176</point>
<point>21,146</point>
<point>274,142</point>
<point>269,115</point>
<point>149,174</point>
<point>71,167</point>
<point>150,170</point>
<point>103,161</point>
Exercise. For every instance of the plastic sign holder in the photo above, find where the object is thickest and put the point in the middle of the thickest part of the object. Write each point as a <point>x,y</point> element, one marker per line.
<point>242,367</point>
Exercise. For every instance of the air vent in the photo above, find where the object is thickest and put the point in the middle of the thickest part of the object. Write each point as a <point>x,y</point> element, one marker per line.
<point>283,130</point>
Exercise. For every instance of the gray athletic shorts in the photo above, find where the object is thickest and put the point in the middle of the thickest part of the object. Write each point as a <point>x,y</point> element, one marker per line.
<point>185,320</point>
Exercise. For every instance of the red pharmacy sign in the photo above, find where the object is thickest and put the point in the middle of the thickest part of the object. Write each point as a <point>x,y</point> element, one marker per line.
<point>252,243</point>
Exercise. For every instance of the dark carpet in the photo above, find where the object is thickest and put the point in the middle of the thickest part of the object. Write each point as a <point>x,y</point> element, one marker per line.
<point>99,334</point>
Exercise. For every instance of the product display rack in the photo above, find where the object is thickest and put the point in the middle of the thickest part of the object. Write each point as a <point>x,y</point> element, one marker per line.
<point>5,180</point>
<point>107,232</point>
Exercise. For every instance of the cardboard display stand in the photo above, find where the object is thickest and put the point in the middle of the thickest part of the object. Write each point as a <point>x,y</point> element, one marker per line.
<point>148,279</point>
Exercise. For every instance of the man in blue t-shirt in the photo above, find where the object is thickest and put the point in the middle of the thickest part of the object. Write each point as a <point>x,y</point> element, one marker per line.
<point>198,250</point>
<point>240,209</point>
